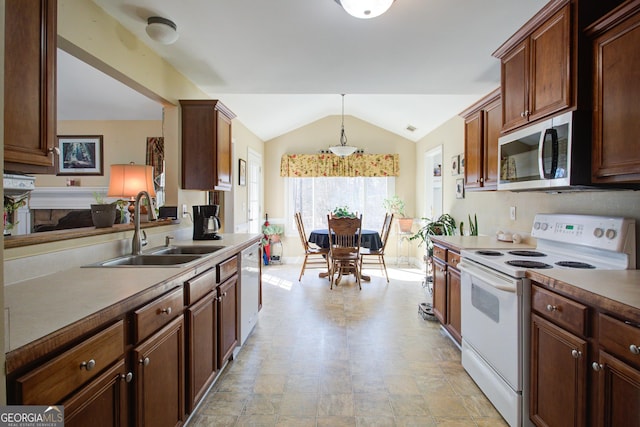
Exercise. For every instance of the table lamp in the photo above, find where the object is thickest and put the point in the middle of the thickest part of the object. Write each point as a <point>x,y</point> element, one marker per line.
<point>127,180</point>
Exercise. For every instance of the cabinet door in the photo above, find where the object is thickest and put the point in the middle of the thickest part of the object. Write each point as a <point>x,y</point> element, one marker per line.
<point>618,393</point>
<point>30,85</point>
<point>558,375</point>
<point>227,319</point>
<point>616,127</point>
<point>453,304</point>
<point>491,130</point>
<point>159,377</point>
<point>473,150</point>
<point>440,290</point>
<point>202,348</point>
<point>549,84</point>
<point>224,177</point>
<point>103,402</point>
<point>198,145</point>
<point>515,77</point>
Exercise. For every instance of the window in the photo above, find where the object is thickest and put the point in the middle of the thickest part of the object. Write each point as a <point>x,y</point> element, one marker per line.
<point>316,197</point>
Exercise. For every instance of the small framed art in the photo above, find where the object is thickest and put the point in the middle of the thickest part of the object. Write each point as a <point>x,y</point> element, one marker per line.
<point>80,155</point>
<point>455,165</point>
<point>242,172</point>
<point>460,188</point>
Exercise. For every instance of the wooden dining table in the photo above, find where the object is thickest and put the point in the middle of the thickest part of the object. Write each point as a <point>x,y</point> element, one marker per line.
<point>369,239</point>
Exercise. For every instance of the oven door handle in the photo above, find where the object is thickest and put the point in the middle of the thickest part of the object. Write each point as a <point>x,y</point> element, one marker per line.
<point>489,279</point>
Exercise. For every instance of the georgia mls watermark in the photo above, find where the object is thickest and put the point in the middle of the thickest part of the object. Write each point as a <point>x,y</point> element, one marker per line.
<point>31,416</point>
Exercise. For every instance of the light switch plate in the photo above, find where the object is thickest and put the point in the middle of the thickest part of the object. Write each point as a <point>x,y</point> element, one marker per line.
<point>512,213</point>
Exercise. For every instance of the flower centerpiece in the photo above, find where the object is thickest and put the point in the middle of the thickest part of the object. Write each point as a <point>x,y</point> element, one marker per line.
<point>342,212</point>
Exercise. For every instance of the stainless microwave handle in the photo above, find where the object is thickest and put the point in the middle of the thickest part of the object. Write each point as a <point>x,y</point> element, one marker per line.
<point>553,133</point>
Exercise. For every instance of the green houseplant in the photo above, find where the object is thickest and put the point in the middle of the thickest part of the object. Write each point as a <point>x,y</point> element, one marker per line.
<point>444,225</point>
<point>396,205</point>
<point>342,212</point>
<point>273,232</point>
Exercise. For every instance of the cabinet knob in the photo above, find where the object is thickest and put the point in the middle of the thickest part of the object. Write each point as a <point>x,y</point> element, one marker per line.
<point>522,114</point>
<point>54,150</point>
<point>576,354</point>
<point>88,365</point>
<point>165,310</point>
<point>634,349</point>
<point>596,366</point>
<point>144,362</point>
<point>552,307</point>
<point>127,377</point>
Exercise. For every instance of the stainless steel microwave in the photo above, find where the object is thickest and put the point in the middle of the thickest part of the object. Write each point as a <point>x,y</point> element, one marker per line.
<point>553,154</point>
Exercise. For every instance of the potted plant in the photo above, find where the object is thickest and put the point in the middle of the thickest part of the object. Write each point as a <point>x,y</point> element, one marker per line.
<point>395,205</point>
<point>273,232</point>
<point>444,225</point>
<point>103,214</point>
<point>342,212</point>
<point>11,205</point>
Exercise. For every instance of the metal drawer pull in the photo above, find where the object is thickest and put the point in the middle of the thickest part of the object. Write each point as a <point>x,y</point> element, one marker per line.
<point>552,307</point>
<point>166,310</point>
<point>54,150</point>
<point>634,349</point>
<point>88,365</point>
<point>127,377</point>
<point>144,361</point>
<point>576,354</point>
<point>596,366</point>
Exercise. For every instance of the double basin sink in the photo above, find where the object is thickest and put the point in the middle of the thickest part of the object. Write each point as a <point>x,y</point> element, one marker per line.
<point>162,256</point>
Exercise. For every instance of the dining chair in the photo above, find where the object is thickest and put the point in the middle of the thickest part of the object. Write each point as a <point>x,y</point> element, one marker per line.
<point>376,257</point>
<point>313,257</point>
<point>345,235</point>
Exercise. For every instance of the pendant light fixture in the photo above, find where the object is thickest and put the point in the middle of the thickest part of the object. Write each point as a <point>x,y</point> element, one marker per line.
<point>343,150</point>
<point>162,30</point>
<point>365,9</point>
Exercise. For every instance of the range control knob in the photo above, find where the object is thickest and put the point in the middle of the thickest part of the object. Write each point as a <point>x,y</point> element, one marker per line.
<point>611,234</point>
<point>598,232</point>
<point>536,225</point>
<point>544,226</point>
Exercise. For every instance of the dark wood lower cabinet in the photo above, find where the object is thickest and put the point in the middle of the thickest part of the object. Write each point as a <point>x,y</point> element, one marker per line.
<point>558,376</point>
<point>618,393</point>
<point>159,377</point>
<point>227,319</point>
<point>454,312</point>
<point>202,348</point>
<point>102,402</point>
<point>440,290</point>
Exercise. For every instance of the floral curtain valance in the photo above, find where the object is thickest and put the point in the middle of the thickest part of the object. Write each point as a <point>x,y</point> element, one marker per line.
<point>314,165</point>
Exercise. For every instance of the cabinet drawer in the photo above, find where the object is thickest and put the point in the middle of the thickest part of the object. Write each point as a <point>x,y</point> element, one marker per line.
<point>157,313</point>
<point>619,338</point>
<point>51,382</point>
<point>199,286</point>
<point>563,311</point>
<point>440,253</point>
<point>453,259</point>
<point>227,269</point>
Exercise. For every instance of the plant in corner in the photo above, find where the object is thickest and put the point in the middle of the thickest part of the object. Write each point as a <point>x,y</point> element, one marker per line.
<point>273,232</point>
<point>103,214</point>
<point>396,205</point>
<point>444,225</point>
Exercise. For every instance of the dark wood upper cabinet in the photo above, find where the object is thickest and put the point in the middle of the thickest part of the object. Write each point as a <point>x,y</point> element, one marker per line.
<point>482,126</point>
<point>30,85</point>
<point>616,89</point>
<point>206,145</point>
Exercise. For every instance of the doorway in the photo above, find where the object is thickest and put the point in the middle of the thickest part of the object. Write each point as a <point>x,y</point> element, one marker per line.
<point>433,182</point>
<point>254,190</point>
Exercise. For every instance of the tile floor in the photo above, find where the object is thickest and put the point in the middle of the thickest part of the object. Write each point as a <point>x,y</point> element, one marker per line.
<point>344,357</point>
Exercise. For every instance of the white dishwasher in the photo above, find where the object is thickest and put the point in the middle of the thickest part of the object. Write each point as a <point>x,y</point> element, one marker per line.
<point>249,290</point>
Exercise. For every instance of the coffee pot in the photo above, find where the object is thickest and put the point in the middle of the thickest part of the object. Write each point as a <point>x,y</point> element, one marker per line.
<point>206,222</point>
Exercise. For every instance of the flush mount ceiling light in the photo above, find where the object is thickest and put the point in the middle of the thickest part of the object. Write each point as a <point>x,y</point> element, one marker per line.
<point>162,30</point>
<point>365,9</point>
<point>343,150</point>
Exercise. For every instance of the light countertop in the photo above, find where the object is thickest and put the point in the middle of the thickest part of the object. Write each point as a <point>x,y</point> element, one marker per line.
<point>478,242</point>
<point>41,306</point>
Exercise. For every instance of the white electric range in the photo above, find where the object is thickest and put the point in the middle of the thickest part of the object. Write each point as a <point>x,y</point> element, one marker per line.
<point>495,298</point>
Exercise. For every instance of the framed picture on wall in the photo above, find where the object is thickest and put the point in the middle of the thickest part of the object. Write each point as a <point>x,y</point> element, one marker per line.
<point>79,155</point>
<point>460,188</point>
<point>461,164</point>
<point>242,172</point>
<point>455,165</point>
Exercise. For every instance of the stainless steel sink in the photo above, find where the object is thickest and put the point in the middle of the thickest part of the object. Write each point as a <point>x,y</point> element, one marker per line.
<point>185,250</point>
<point>146,260</point>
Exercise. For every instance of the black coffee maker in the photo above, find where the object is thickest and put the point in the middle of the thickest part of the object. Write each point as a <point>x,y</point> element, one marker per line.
<point>206,223</point>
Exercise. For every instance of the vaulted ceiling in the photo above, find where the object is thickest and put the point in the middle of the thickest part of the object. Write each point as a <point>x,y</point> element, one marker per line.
<point>282,64</point>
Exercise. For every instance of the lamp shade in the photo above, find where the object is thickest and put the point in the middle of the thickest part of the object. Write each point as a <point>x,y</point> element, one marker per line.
<point>130,179</point>
<point>365,9</point>
<point>343,150</point>
<point>162,30</point>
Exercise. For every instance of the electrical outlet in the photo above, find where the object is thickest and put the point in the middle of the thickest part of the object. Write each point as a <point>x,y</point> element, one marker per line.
<point>184,211</point>
<point>512,213</point>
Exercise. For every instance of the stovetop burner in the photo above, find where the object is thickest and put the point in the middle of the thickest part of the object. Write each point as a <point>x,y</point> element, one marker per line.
<point>489,253</point>
<point>527,264</point>
<point>527,253</point>
<point>574,264</point>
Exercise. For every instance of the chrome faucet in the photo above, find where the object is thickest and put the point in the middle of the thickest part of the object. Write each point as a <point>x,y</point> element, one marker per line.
<point>138,242</point>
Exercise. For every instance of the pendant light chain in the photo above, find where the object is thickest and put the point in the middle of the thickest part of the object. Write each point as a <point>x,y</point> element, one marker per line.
<point>343,135</point>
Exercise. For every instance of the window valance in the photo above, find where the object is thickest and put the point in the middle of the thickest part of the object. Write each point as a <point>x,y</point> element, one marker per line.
<point>314,165</point>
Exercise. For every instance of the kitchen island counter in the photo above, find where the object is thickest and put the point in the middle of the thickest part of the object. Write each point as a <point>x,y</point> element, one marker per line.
<point>44,312</point>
